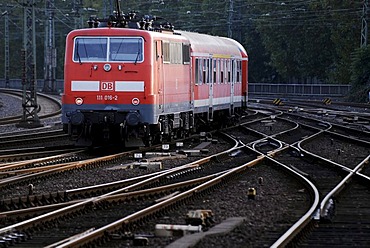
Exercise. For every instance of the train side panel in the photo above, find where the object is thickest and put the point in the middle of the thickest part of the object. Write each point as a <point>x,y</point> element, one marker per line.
<point>219,74</point>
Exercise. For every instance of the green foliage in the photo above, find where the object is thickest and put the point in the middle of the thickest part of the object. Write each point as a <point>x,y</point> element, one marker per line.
<point>360,78</point>
<point>291,41</point>
<point>310,39</point>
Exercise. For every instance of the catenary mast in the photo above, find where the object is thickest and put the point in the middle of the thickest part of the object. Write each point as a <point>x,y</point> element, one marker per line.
<point>29,82</point>
<point>50,51</point>
<point>364,24</point>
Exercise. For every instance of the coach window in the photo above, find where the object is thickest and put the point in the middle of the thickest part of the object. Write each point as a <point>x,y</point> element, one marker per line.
<point>175,53</point>
<point>199,71</point>
<point>218,71</point>
<point>196,71</point>
<point>209,71</point>
<point>238,71</point>
<point>214,66</point>
<point>186,53</point>
<point>90,49</point>
<point>201,76</point>
<point>217,78</point>
<point>222,69</point>
<point>233,74</point>
<point>126,49</point>
<point>156,52</point>
<point>204,73</point>
<point>228,71</point>
<point>166,52</point>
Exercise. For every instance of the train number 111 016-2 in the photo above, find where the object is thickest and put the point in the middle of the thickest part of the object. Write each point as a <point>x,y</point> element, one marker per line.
<point>107,97</point>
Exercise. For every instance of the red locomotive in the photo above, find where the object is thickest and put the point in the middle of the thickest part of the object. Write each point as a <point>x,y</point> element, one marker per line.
<point>134,82</point>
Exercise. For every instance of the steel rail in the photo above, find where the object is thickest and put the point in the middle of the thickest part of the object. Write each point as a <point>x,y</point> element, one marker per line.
<point>291,233</point>
<point>81,205</point>
<point>14,119</point>
<point>340,186</point>
<point>121,196</point>
<point>100,232</point>
<point>10,167</point>
<point>318,209</point>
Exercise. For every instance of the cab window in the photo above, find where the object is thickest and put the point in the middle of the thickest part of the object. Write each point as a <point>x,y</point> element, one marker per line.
<point>90,49</point>
<point>105,49</point>
<point>126,49</point>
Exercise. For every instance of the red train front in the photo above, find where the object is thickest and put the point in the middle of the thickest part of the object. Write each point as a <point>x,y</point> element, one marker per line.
<point>138,86</point>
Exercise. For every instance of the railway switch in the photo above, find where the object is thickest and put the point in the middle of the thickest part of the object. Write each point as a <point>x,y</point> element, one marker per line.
<point>260,180</point>
<point>141,241</point>
<point>199,217</point>
<point>252,193</point>
<point>168,230</point>
<point>30,189</point>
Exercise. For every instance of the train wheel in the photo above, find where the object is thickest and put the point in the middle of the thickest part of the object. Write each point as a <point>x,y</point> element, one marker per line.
<point>180,134</point>
<point>157,138</point>
<point>148,141</point>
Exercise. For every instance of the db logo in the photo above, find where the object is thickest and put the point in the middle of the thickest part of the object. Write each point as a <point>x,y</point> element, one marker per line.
<point>107,86</point>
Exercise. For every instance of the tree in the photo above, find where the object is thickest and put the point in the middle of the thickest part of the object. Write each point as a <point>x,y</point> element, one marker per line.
<point>360,78</point>
<point>287,41</point>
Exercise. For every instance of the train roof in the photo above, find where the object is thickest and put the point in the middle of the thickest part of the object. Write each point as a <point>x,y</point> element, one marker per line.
<point>204,43</point>
<point>114,31</point>
<point>201,44</point>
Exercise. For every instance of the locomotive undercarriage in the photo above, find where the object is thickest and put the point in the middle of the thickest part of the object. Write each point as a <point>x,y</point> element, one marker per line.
<point>95,128</point>
<point>89,128</point>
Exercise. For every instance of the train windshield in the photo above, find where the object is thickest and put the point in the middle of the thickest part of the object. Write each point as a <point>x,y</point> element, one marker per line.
<point>126,49</point>
<point>105,49</point>
<point>90,49</point>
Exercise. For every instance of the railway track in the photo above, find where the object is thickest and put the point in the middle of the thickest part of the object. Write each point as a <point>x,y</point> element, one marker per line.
<point>103,167</point>
<point>26,139</point>
<point>347,221</point>
<point>233,156</point>
<point>20,154</point>
<point>48,107</point>
<point>331,165</point>
<point>142,210</point>
<point>298,147</point>
<point>326,172</point>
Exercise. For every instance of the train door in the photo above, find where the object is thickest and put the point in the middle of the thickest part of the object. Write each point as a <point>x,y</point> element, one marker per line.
<point>158,74</point>
<point>192,83</point>
<point>209,81</point>
<point>244,72</point>
<point>232,85</point>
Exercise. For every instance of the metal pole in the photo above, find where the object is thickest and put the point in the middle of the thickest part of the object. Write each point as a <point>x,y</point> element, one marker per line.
<point>6,39</point>
<point>29,83</point>
<point>77,15</point>
<point>50,51</point>
<point>230,19</point>
<point>364,24</point>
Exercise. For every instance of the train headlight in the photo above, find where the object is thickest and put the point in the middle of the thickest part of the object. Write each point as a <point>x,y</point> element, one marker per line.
<point>135,101</point>
<point>107,67</point>
<point>79,101</point>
